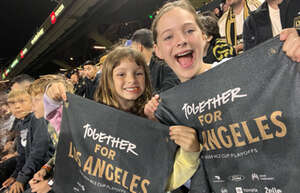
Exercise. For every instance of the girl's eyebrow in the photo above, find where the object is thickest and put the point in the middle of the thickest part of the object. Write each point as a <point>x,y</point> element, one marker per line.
<point>184,25</point>
<point>117,69</point>
<point>188,24</point>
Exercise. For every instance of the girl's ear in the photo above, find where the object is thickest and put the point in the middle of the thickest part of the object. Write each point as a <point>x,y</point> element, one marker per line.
<point>206,37</point>
<point>209,38</point>
<point>157,51</point>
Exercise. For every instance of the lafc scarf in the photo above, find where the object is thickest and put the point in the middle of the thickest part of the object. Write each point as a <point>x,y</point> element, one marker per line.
<point>230,30</point>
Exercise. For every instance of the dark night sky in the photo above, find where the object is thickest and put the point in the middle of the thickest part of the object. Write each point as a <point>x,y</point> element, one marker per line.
<point>19,20</point>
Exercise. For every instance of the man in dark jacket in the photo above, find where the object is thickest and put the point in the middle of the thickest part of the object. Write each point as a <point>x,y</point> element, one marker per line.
<point>162,77</point>
<point>269,19</point>
<point>92,79</point>
<point>34,145</point>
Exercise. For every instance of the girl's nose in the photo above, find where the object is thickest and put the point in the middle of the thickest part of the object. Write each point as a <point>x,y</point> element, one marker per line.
<point>181,40</point>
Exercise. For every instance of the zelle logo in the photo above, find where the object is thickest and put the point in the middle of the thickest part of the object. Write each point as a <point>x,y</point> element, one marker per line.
<point>272,190</point>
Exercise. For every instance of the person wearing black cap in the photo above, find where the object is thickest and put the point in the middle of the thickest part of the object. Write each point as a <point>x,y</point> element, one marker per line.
<point>162,77</point>
<point>92,79</point>
<point>80,86</point>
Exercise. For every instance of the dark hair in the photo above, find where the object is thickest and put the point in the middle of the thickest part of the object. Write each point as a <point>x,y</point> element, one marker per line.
<point>89,62</point>
<point>22,78</point>
<point>143,36</point>
<point>70,73</point>
<point>209,25</point>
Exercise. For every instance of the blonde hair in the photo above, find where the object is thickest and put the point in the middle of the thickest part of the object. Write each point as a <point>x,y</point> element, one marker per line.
<point>39,86</point>
<point>16,93</point>
<point>106,92</point>
<point>183,4</point>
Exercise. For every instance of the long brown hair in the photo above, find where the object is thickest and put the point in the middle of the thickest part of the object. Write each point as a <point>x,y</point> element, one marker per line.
<point>106,92</point>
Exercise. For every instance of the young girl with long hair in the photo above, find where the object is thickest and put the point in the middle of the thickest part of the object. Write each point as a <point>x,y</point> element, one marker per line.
<point>124,82</point>
<point>179,41</point>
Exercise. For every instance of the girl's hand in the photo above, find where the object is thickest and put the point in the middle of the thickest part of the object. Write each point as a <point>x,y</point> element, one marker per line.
<point>185,137</point>
<point>39,176</point>
<point>57,91</point>
<point>41,187</point>
<point>9,182</point>
<point>291,45</point>
<point>16,187</point>
<point>151,107</point>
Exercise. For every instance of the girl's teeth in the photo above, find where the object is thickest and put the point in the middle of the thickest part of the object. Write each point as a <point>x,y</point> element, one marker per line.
<point>183,54</point>
<point>131,89</point>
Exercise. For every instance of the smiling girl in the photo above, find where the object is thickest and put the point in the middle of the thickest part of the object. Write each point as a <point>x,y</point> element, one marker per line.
<point>179,41</point>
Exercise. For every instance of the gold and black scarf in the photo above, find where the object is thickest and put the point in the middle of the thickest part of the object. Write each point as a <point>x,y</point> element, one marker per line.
<point>230,29</point>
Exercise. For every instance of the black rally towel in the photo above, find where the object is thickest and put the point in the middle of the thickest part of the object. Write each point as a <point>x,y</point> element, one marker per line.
<point>247,114</point>
<point>102,149</point>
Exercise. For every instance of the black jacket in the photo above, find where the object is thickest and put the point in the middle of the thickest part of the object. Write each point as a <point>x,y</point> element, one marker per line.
<point>80,87</point>
<point>34,147</point>
<point>161,75</point>
<point>91,86</point>
<point>258,27</point>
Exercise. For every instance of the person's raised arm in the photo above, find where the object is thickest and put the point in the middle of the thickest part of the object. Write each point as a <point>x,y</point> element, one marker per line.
<point>291,45</point>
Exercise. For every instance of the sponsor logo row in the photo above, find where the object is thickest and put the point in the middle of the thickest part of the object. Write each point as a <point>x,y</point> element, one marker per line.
<point>238,178</point>
<point>253,190</point>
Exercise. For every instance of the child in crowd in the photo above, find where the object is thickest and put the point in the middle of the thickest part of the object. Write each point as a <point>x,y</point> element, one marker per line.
<point>34,145</point>
<point>7,136</point>
<point>41,179</point>
<point>125,85</point>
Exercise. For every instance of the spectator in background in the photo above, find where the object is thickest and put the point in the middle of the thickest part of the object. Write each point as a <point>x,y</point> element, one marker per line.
<point>92,78</point>
<point>225,6</point>
<point>215,48</point>
<point>231,22</point>
<point>41,180</point>
<point>162,77</point>
<point>218,12</point>
<point>269,20</point>
<point>7,136</point>
<point>34,144</point>
<point>81,85</point>
<point>74,78</point>
<point>21,82</point>
<point>6,119</point>
<point>9,153</point>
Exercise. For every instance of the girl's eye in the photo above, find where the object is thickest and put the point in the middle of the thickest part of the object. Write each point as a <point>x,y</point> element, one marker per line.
<point>121,74</point>
<point>140,74</point>
<point>189,31</point>
<point>168,37</point>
